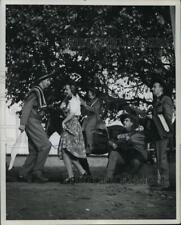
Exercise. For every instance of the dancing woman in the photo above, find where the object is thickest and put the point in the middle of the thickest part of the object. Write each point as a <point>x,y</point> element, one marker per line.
<point>72,143</point>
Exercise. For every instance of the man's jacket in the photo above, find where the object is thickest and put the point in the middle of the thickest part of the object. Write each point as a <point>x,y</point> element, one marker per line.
<point>33,104</point>
<point>162,116</point>
<point>133,140</point>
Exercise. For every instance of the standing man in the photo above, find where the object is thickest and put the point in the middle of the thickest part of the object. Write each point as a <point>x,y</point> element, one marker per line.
<point>162,120</point>
<point>30,122</point>
<point>93,111</point>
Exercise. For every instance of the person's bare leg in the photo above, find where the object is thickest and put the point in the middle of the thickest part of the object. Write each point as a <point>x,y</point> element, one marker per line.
<point>85,165</point>
<point>78,166</point>
<point>68,164</point>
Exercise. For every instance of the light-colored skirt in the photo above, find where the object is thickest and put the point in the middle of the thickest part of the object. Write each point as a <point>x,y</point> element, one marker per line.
<point>72,139</point>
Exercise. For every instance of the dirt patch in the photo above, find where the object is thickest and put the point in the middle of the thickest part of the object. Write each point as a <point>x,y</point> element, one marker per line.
<point>55,200</point>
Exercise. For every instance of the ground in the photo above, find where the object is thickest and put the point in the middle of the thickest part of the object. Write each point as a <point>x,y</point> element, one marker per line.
<point>95,200</point>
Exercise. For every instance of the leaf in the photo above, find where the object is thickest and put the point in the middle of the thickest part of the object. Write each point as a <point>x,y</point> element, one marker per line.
<point>66,27</point>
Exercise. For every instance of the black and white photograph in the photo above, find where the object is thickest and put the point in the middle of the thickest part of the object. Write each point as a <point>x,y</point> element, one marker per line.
<point>89,129</point>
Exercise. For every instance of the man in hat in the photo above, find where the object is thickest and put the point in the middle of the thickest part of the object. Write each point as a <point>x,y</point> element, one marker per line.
<point>162,120</point>
<point>30,122</point>
<point>128,148</point>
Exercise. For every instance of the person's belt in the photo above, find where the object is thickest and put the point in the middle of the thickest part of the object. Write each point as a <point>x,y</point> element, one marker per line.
<point>76,116</point>
<point>36,107</point>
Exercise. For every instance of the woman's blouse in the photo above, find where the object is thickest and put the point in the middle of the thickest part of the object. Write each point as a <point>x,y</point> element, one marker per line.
<point>74,105</point>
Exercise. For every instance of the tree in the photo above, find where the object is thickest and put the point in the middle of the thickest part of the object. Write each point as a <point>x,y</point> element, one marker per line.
<point>93,45</point>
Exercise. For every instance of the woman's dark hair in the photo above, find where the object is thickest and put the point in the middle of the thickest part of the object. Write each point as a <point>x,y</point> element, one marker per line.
<point>73,88</point>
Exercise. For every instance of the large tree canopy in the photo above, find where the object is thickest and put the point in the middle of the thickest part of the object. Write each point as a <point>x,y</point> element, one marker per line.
<point>93,45</point>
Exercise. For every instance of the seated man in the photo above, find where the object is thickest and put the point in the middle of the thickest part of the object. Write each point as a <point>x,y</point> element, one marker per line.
<point>128,148</point>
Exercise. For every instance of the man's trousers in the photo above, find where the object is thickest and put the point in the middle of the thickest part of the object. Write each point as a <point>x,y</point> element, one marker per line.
<point>162,162</point>
<point>88,127</point>
<point>39,147</point>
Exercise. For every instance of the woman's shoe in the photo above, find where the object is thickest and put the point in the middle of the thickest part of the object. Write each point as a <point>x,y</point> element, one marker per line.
<point>84,177</point>
<point>69,180</point>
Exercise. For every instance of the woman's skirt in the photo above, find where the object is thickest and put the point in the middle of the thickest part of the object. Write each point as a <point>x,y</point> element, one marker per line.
<point>72,139</point>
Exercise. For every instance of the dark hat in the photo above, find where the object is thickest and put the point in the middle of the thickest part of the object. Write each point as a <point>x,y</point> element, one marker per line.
<point>44,77</point>
<point>133,118</point>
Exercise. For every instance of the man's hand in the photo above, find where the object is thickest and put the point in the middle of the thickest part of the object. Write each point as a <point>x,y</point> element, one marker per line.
<point>127,137</point>
<point>82,102</point>
<point>140,128</point>
<point>114,145</point>
<point>63,106</point>
<point>63,125</point>
<point>22,128</point>
<point>149,115</point>
<point>123,137</point>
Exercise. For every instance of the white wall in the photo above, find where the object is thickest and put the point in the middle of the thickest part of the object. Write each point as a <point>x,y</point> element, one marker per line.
<point>12,132</point>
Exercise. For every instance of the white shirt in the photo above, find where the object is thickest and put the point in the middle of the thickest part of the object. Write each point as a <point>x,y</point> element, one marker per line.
<point>74,105</point>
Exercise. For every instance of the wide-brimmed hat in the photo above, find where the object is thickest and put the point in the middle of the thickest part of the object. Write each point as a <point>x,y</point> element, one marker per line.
<point>133,118</point>
<point>44,77</point>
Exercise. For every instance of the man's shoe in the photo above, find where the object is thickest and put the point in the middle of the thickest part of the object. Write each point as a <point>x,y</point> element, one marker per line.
<point>160,187</point>
<point>155,185</point>
<point>39,178</point>
<point>69,180</point>
<point>107,180</point>
<point>167,188</point>
<point>27,178</point>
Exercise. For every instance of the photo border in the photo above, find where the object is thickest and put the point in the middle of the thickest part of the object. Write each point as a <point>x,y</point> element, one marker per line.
<point>3,4</point>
